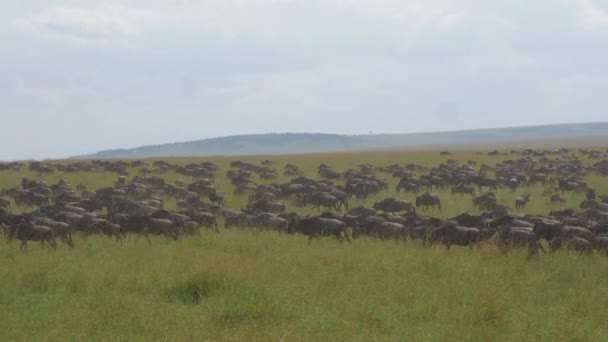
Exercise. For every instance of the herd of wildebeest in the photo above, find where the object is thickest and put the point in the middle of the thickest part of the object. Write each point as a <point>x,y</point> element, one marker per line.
<point>135,205</point>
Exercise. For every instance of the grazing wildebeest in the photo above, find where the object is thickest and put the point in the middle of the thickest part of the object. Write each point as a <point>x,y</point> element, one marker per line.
<point>317,227</point>
<point>428,200</point>
<point>26,231</point>
<point>393,205</point>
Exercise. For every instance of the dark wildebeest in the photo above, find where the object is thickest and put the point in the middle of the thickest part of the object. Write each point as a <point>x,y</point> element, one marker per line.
<point>317,227</point>
<point>509,237</point>
<point>450,233</point>
<point>164,227</point>
<point>322,199</point>
<point>520,202</point>
<point>381,230</point>
<point>428,200</point>
<point>391,205</point>
<point>61,230</point>
<point>580,245</point>
<point>463,189</point>
<point>361,211</point>
<point>26,231</point>
<point>4,203</point>
<point>214,197</point>
<point>600,244</point>
<point>557,198</point>
<point>589,204</point>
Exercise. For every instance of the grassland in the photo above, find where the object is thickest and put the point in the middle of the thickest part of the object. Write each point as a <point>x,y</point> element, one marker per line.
<point>241,285</point>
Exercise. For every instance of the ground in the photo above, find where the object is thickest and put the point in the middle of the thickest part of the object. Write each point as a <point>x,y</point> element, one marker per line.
<point>243,285</point>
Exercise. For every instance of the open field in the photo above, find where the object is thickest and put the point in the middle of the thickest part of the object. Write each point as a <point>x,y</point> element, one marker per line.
<point>248,286</point>
<point>245,284</point>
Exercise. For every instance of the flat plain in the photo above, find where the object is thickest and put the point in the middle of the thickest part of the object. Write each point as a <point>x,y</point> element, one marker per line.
<point>249,284</point>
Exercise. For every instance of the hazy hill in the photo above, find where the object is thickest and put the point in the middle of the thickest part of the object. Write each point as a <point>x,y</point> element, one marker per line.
<point>588,134</point>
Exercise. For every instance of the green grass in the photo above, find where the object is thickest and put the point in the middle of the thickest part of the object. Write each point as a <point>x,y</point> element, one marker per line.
<point>240,285</point>
<point>263,286</point>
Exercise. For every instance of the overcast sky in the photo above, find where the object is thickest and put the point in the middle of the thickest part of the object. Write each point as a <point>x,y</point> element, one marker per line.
<point>77,76</point>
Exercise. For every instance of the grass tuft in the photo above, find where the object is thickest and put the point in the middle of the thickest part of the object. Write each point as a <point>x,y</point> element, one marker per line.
<point>197,288</point>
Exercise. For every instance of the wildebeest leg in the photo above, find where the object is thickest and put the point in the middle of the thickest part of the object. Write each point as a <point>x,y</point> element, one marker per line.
<point>23,244</point>
<point>540,245</point>
<point>346,236</point>
<point>448,245</point>
<point>53,242</point>
<point>340,238</point>
<point>147,237</point>
<point>310,239</point>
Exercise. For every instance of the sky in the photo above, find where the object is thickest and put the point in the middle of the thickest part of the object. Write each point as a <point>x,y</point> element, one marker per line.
<point>81,76</point>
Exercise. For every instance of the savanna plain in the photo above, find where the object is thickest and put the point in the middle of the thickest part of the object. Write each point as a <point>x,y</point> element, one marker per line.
<point>253,284</point>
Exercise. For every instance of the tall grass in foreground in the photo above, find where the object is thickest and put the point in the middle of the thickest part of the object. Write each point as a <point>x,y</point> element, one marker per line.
<point>240,285</point>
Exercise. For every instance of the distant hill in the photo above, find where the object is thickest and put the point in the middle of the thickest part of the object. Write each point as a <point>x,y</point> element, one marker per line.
<point>562,135</point>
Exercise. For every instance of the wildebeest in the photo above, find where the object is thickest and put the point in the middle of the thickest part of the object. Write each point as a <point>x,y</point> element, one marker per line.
<point>317,227</point>
<point>600,243</point>
<point>26,231</point>
<point>361,211</point>
<point>322,199</point>
<point>590,204</point>
<point>463,189</point>
<point>450,233</point>
<point>162,227</point>
<point>393,205</point>
<point>4,203</point>
<point>381,230</point>
<point>214,197</point>
<point>580,245</point>
<point>485,201</point>
<point>428,200</point>
<point>520,202</point>
<point>510,237</point>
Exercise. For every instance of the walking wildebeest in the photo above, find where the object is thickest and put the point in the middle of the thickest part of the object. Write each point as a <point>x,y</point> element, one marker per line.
<point>26,231</point>
<point>317,227</point>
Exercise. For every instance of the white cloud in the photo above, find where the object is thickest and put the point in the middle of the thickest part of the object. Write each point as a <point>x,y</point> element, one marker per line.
<point>233,18</point>
<point>90,25</point>
<point>591,14</point>
<point>410,13</point>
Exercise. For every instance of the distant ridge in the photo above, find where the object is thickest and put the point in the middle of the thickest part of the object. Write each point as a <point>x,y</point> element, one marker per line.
<point>587,134</point>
